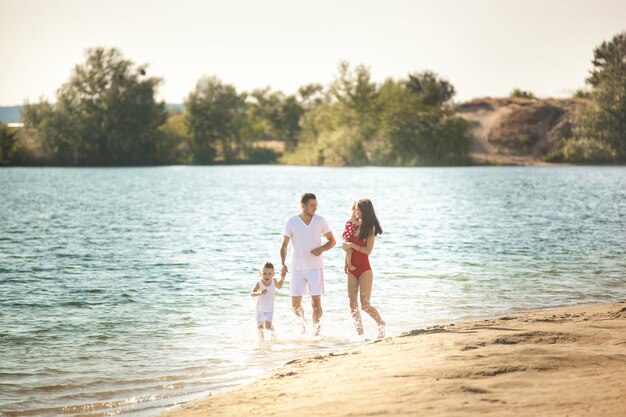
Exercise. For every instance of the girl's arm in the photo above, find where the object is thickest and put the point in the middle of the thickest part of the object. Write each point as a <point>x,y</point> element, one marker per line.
<point>348,230</point>
<point>369,245</point>
<point>255,292</point>
<point>345,243</point>
<point>279,284</point>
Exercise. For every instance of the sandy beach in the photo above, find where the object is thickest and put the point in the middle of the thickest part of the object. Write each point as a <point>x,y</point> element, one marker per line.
<point>565,362</point>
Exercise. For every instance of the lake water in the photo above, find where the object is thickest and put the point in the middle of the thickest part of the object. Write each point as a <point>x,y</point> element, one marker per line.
<point>126,291</point>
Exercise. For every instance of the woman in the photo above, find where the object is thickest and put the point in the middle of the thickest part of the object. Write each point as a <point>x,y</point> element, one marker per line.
<point>360,278</point>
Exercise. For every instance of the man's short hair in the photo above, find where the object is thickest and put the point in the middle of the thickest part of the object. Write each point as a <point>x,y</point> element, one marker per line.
<point>306,197</point>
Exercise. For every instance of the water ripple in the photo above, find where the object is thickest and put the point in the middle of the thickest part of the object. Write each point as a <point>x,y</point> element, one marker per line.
<point>126,290</point>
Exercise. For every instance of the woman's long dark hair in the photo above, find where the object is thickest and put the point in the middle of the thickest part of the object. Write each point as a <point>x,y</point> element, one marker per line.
<point>369,220</point>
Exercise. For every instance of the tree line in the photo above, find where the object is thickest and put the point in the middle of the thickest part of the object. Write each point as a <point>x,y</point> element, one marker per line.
<point>106,114</point>
<point>600,127</point>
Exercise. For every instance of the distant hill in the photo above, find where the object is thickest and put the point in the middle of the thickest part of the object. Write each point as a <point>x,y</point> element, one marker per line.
<point>518,131</point>
<point>11,114</point>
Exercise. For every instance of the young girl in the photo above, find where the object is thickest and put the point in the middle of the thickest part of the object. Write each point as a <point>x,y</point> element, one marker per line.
<point>351,225</point>
<point>264,290</point>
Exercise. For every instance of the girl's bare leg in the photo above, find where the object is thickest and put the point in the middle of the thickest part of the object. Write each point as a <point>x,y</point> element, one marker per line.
<point>349,260</point>
<point>353,290</point>
<point>261,335</point>
<point>268,326</point>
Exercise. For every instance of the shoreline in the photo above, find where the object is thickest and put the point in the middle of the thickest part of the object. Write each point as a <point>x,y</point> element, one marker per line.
<point>555,361</point>
<point>483,160</point>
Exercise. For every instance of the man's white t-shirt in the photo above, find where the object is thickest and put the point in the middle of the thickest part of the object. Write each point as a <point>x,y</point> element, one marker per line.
<point>305,238</point>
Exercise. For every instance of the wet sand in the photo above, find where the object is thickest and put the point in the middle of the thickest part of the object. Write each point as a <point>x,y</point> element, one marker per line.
<point>566,362</point>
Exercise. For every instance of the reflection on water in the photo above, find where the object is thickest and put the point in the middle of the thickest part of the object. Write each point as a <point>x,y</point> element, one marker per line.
<point>127,290</point>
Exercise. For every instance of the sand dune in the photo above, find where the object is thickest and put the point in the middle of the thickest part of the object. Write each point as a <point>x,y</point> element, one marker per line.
<point>569,362</point>
<point>517,131</point>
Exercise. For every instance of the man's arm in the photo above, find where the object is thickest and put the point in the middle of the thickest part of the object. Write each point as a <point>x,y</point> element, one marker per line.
<point>326,246</point>
<point>283,256</point>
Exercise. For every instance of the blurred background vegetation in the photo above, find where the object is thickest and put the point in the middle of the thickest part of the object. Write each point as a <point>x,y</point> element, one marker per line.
<point>600,126</point>
<point>106,114</point>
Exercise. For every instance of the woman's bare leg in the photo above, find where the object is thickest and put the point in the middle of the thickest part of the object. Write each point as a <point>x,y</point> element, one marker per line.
<point>365,284</point>
<point>353,291</point>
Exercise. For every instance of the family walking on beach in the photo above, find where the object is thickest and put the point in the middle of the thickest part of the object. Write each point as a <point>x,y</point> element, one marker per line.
<point>305,231</point>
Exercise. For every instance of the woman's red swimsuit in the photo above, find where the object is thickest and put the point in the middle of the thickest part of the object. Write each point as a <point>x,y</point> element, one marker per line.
<point>360,260</point>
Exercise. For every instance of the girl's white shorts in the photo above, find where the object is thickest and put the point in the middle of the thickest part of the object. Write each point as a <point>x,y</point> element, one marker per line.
<point>262,316</point>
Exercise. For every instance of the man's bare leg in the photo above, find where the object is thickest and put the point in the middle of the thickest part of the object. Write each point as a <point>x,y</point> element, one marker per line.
<point>296,304</point>
<point>365,285</point>
<point>316,303</point>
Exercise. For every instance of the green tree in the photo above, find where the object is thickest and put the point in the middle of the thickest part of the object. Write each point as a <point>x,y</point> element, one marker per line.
<point>604,119</point>
<point>581,94</point>
<point>415,131</point>
<point>519,93</point>
<point>277,116</point>
<point>356,95</point>
<point>53,132</point>
<point>291,111</point>
<point>105,114</point>
<point>433,90</point>
<point>8,137</point>
<point>175,147</point>
<point>404,122</point>
<point>320,121</point>
<point>216,117</point>
<point>311,95</point>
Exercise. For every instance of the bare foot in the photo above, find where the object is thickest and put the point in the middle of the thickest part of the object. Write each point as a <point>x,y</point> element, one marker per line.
<point>302,324</point>
<point>381,331</point>
<point>316,329</point>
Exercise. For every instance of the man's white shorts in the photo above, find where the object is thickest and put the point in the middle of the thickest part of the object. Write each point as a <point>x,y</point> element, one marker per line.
<point>307,281</point>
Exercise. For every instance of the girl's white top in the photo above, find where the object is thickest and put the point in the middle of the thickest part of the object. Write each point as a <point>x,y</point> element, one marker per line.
<point>265,301</point>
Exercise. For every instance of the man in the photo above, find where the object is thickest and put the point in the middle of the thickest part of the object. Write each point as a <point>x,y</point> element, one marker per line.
<point>305,231</point>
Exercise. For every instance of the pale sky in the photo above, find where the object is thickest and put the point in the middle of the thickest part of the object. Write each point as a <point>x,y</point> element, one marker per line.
<point>484,47</point>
